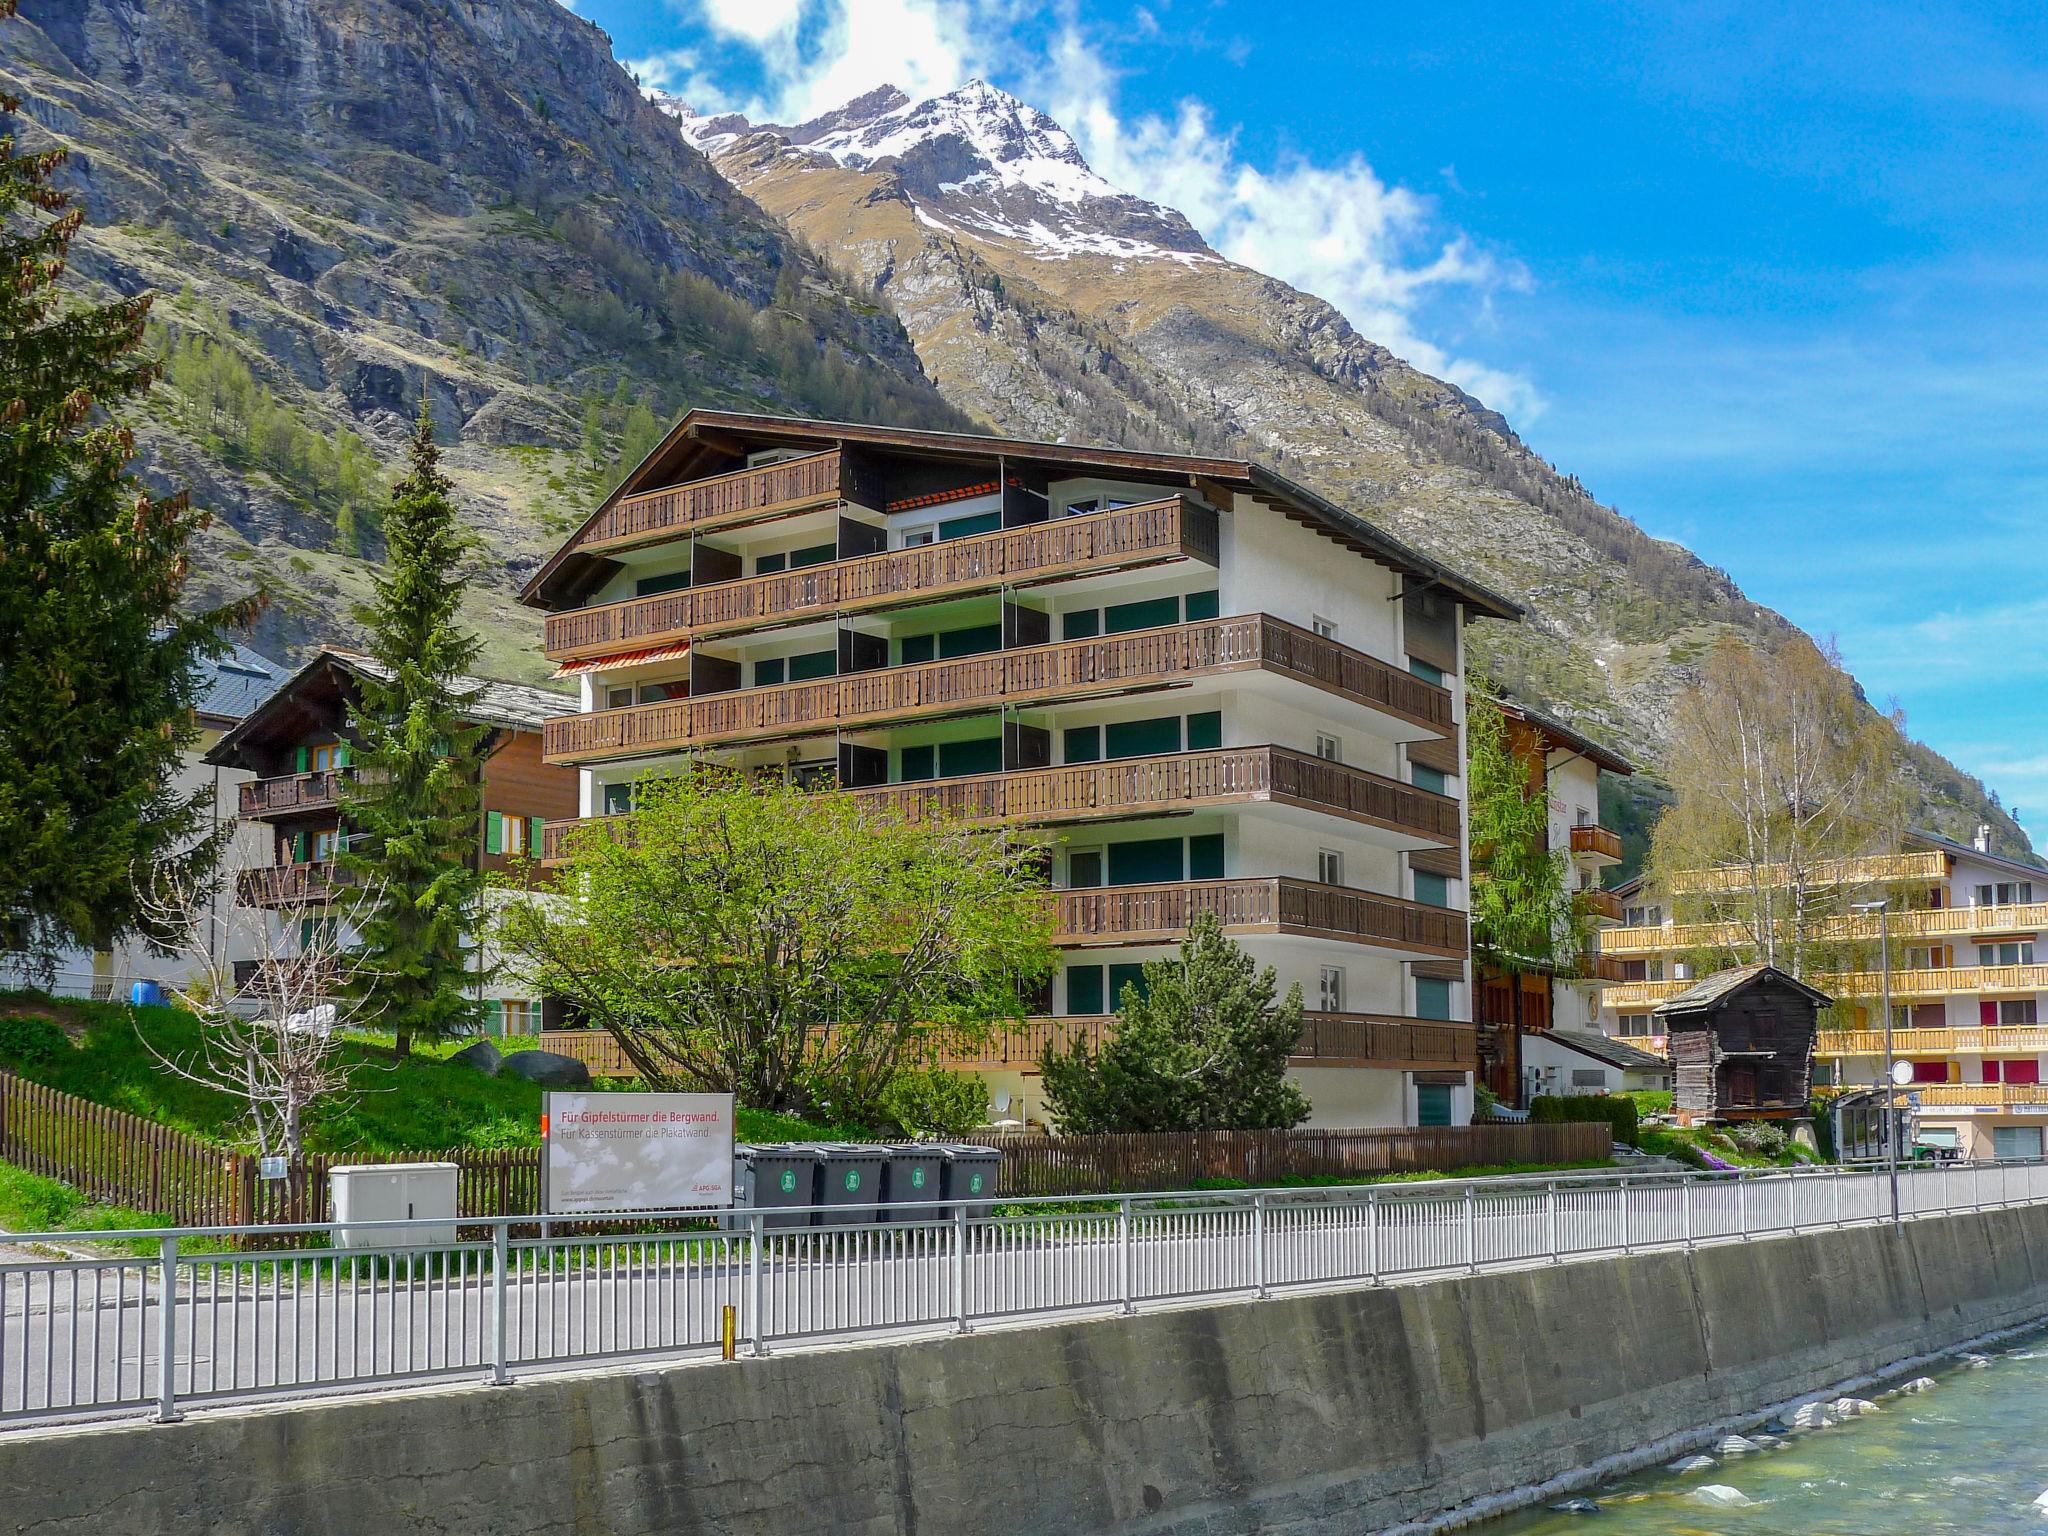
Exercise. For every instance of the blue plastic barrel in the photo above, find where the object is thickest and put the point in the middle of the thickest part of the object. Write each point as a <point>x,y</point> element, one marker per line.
<point>146,994</point>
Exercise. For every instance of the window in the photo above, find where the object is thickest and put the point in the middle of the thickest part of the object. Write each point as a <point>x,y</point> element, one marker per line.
<point>618,799</point>
<point>1432,997</point>
<point>513,836</point>
<point>1589,1077</point>
<point>1929,957</point>
<point>1327,628</point>
<point>1121,976</point>
<point>1084,869</point>
<point>2021,953</point>
<point>1330,989</point>
<point>1426,672</point>
<point>618,698</point>
<point>668,581</point>
<point>1084,989</point>
<point>1205,857</point>
<point>815,554</point>
<point>917,763</point>
<point>1931,1071</point>
<point>2015,1141</point>
<point>1435,780</point>
<point>2005,893</point>
<point>814,664</point>
<point>959,758</point>
<point>918,538</point>
<point>1153,613</point>
<point>770,672</point>
<point>1432,1104</point>
<point>1643,917</point>
<point>912,650</point>
<point>967,527</point>
<point>768,565</point>
<point>1431,889</point>
<point>1330,866</point>
<point>1082,744</point>
<point>657,693</point>
<point>2017,1010</point>
<point>1203,605</point>
<point>1205,731</point>
<point>1329,748</point>
<point>1141,738</point>
<point>1631,1024</point>
<point>1082,625</point>
<point>324,844</point>
<point>518,1016</point>
<point>326,757</point>
<point>1147,861</point>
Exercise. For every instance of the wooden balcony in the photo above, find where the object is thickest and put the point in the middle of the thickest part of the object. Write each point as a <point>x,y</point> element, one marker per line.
<point>1390,1044</point>
<point>1635,996</point>
<point>1975,1095</point>
<point>1171,529</point>
<point>1881,869</point>
<point>1597,845</point>
<point>1148,786</point>
<point>1922,923</point>
<point>1909,985</point>
<point>1042,674</point>
<point>289,794</point>
<point>1160,913</point>
<point>1656,1045</point>
<point>1601,969</point>
<point>292,885</point>
<point>1601,906</point>
<point>1993,1040</point>
<point>724,501</point>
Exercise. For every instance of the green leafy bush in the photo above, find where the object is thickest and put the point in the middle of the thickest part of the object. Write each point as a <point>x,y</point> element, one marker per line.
<point>1758,1136</point>
<point>30,1041</point>
<point>936,1103</point>
<point>1648,1101</point>
<point>1617,1110</point>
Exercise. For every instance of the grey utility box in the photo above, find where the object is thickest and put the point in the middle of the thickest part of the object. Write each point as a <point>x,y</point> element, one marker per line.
<point>764,1178</point>
<point>850,1182</point>
<point>971,1176</point>
<point>914,1182</point>
<point>394,1192</point>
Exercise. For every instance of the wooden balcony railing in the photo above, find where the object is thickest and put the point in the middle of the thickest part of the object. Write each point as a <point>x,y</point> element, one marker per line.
<point>1656,1045</point>
<point>746,495</point>
<point>1976,1095</point>
<point>1143,786</point>
<point>1040,674</point>
<point>1327,1040</point>
<point>1597,843</point>
<point>1919,923</point>
<point>1635,995</point>
<point>1604,906</point>
<point>1160,913</point>
<point>1131,536</point>
<point>290,792</point>
<point>1940,982</point>
<point>291,885</point>
<point>1992,1040</point>
<point>1601,968</point>
<point>1878,869</point>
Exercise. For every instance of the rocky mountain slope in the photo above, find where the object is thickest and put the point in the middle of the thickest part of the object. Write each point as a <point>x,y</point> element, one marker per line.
<point>351,204</point>
<point>1049,302</point>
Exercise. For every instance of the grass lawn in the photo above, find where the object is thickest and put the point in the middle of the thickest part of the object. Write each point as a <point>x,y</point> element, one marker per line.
<point>421,1105</point>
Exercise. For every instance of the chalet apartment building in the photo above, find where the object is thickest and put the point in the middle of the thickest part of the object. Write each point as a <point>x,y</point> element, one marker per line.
<point>1967,992</point>
<point>294,751</point>
<point>1540,1044</point>
<point>1214,691</point>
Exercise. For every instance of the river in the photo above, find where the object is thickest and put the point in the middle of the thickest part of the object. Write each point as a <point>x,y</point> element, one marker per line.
<point>1968,1456</point>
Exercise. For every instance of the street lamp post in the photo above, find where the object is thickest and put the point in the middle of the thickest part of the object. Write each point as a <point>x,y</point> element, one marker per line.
<point>1891,1087</point>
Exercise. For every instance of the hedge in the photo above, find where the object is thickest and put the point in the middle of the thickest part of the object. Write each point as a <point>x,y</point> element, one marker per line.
<point>1617,1111</point>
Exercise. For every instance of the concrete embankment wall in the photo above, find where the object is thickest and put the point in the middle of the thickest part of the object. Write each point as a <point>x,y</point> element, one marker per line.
<point>1332,1413</point>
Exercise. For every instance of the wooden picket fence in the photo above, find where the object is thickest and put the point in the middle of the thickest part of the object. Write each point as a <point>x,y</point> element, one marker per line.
<point>118,1157</point>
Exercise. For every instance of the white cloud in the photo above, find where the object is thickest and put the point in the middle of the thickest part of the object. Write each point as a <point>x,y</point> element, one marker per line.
<point>1379,253</point>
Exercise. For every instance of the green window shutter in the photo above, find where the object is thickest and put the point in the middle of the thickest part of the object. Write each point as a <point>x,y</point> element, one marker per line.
<point>970,642</point>
<point>915,764</point>
<point>769,565</point>
<point>1426,672</point>
<point>494,1016</point>
<point>1141,738</point>
<point>300,758</point>
<point>1150,614</point>
<point>1084,989</point>
<point>1121,976</point>
<point>1205,857</point>
<point>533,826</point>
<point>817,554</point>
<point>1205,731</point>
<point>918,648</point>
<point>1432,998</point>
<point>1203,605</point>
<point>494,832</point>
<point>967,527</point>
<point>1084,625</point>
<point>1432,890</point>
<point>673,581</point>
<point>1432,1104</point>
<point>341,754</point>
<point>957,758</point>
<point>1084,744</point>
<point>299,840</point>
<point>1429,778</point>
<point>1146,861</point>
<point>768,673</point>
<point>816,664</point>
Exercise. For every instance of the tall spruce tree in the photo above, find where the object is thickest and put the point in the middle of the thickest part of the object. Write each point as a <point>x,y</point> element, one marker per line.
<point>413,805</point>
<point>99,654</point>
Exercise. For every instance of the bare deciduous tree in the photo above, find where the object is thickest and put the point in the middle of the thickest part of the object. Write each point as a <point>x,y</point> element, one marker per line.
<point>272,1041</point>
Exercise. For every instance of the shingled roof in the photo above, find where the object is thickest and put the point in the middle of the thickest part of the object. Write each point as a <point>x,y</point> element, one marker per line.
<point>1710,990</point>
<point>1616,1053</point>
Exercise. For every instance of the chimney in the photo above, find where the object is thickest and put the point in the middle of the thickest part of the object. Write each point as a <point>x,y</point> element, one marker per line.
<point>1982,841</point>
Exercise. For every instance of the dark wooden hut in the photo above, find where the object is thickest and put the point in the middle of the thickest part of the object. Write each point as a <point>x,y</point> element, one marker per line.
<point>1742,1045</point>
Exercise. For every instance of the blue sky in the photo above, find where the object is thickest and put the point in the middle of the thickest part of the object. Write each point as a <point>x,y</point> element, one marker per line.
<point>1772,280</point>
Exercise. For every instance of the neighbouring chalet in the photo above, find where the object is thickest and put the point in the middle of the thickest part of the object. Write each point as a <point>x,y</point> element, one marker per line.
<point>1574,1061</point>
<point>297,743</point>
<point>1741,1045</point>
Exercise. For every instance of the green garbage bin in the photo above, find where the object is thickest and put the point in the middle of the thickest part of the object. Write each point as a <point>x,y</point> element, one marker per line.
<point>972,1172</point>
<point>914,1182</point>
<point>768,1177</point>
<point>850,1182</point>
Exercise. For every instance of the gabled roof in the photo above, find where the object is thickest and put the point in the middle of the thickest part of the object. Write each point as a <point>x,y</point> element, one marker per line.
<point>507,705</point>
<point>1956,850</point>
<point>1722,985</point>
<point>1563,738</point>
<point>700,434</point>
<point>1605,1048</point>
<point>233,686</point>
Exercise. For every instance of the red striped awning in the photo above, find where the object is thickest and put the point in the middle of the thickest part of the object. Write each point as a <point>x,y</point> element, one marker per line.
<point>624,659</point>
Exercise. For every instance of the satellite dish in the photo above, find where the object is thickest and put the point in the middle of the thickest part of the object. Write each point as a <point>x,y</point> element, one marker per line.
<point>1902,1072</point>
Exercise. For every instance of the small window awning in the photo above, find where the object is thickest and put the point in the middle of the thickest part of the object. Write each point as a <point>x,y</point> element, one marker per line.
<point>624,659</point>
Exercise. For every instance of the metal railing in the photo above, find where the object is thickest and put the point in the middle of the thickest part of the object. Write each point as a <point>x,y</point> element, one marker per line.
<point>97,1335</point>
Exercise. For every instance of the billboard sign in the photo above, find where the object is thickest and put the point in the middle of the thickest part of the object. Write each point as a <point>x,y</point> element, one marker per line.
<point>635,1152</point>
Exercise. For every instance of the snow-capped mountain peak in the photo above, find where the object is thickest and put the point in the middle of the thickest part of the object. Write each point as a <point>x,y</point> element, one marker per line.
<point>976,160</point>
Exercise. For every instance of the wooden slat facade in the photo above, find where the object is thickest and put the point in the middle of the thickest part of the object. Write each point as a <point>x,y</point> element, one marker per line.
<point>723,501</point>
<point>1042,674</point>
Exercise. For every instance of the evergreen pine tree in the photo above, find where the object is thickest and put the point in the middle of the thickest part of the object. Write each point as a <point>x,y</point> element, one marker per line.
<point>99,657</point>
<point>1202,1046</point>
<point>413,806</point>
